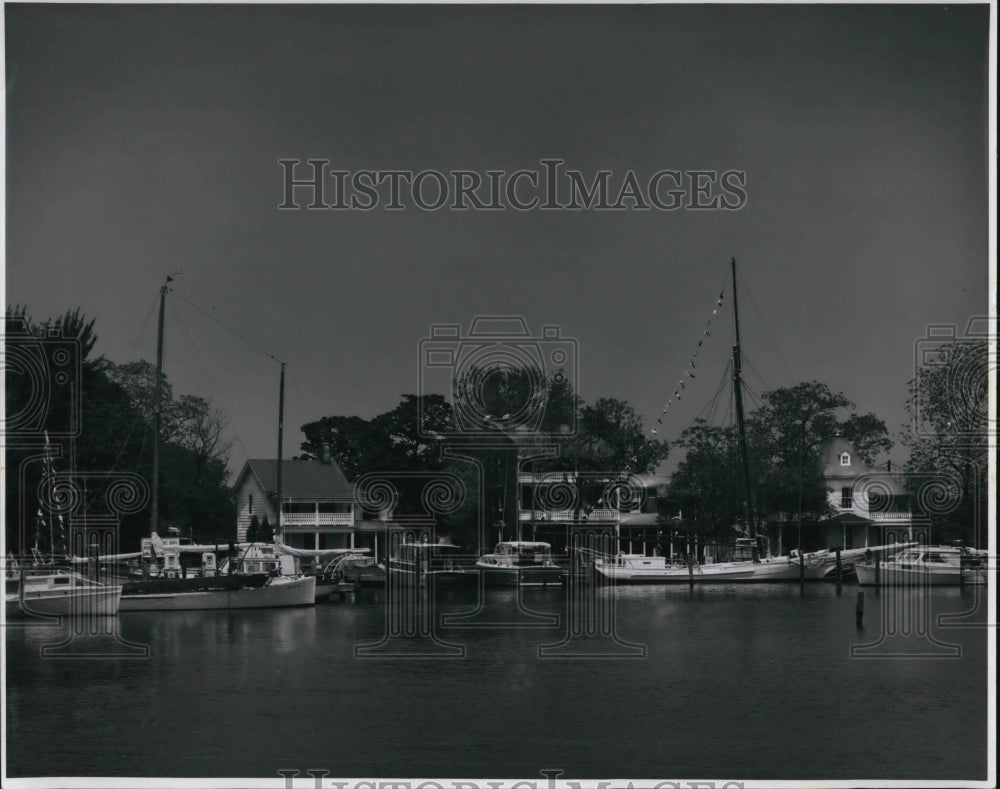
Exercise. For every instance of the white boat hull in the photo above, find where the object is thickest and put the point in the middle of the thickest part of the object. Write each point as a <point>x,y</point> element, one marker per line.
<point>86,602</point>
<point>918,576</point>
<point>279,593</point>
<point>767,570</point>
<point>521,576</point>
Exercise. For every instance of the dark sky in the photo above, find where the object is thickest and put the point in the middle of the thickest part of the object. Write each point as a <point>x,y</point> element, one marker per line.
<point>144,140</point>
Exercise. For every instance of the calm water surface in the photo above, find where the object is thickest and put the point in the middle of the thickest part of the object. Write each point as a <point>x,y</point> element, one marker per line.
<point>741,681</point>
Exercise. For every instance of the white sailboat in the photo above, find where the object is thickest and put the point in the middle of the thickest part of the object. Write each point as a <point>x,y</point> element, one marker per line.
<point>749,566</point>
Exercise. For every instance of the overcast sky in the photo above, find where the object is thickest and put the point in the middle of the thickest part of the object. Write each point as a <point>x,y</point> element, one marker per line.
<point>145,140</point>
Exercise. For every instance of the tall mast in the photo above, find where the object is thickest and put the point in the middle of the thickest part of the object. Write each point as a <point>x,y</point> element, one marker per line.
<point>281,431</point>
<point>740,423</point>
<point>154,520</point>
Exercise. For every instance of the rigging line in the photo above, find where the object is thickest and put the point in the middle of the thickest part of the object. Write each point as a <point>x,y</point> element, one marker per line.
<point>201,361</point>
<point>295,386</point>
<point>763,325</point>
<point>758,376</point>
<point>718,400</point>
<point>144,325</point>
<point>226,326</point>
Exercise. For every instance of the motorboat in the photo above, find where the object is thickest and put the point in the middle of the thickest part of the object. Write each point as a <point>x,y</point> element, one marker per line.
<point>521,563</point>
<point>418,562</point>
<point>45,591</point>
<point>930,565</point>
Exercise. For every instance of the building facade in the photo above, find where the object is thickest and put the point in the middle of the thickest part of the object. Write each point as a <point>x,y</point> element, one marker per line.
<point>317,507</point>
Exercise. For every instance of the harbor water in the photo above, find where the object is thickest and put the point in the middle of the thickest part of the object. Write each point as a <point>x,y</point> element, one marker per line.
<point>749,682</point>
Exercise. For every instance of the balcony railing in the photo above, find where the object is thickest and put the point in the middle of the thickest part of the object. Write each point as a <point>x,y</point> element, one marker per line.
<point>299,519</point>
<point>569,515</point>
<point>890,517</point>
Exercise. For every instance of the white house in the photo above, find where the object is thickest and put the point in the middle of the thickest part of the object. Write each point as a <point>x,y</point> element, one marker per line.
<point>317,502</point>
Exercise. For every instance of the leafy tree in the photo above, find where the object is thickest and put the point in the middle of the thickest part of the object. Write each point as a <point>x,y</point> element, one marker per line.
<point>707,486</point>
<point>785,437</point>
<point>114,434</point>
<point>253,530</point>
<point>949,441</point>
<point>266,533</point>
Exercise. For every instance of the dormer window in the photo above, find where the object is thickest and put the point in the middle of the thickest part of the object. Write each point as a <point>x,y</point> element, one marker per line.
<point>845,458</point>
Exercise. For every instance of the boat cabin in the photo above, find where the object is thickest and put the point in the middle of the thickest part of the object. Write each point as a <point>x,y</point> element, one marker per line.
<point>522,553</point>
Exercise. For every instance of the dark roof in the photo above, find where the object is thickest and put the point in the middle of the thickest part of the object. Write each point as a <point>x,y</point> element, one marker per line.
<point>301,479</point>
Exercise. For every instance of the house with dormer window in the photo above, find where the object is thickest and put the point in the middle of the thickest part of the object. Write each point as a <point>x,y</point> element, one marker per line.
<point>863,500</point>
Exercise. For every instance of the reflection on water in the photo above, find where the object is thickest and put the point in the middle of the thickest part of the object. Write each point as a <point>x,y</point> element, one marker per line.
<point>750,681</point>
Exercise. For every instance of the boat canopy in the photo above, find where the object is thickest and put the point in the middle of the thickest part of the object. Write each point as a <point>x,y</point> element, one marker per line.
<point>309,553</point>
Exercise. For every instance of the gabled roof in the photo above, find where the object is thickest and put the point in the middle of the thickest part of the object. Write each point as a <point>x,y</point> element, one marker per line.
<point>301,479</point>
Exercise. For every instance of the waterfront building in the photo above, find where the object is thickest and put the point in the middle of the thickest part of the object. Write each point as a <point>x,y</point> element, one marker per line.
<point>863,502</point>
<point>317,502</point>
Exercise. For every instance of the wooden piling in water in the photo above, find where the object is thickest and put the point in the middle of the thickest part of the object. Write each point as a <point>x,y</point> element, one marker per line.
<point>802,567</point>
<point>878,571</point>
<point>690,571</point>
<point>859,610</point>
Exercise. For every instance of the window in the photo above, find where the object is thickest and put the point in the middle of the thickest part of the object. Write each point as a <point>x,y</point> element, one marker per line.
<point>251,504</point>
<point>845,458</point>
<point>846,498</point>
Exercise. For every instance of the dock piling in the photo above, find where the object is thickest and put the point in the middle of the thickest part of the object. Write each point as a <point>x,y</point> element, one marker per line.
<point>878,571</point>
<point>840,572</point>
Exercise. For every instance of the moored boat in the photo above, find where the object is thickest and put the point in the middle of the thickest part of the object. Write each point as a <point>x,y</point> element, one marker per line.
<point>421,562</point>
<point>521,563</point>
<point>274,592</point>
<point>59,593</point>
<point>930,565</point>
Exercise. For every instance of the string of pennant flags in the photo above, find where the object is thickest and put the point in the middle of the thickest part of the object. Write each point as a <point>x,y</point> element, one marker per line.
<point>689,371</point>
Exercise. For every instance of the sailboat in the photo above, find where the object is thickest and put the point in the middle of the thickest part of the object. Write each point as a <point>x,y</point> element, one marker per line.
<point>51,585</point>
<point>749,565</point>
<point>209,589</point>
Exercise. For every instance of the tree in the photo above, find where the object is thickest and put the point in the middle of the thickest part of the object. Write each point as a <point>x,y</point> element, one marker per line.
<point>253,530</point>
<point>611,438</point>
<point>707,486</point>
<point>113,433</point>
<point>949,441</point>
<point>785,437</point>
<point>266,533</point>
<point>792,426</point>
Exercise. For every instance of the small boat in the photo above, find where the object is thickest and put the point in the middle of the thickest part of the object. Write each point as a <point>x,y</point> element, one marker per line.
<point>60,593</point>
<point>638,568</point>
<point>520,563</point>
<point>216,594</point>
<point>284,560</point>
<point>172,587</point>
<point>818,565</point>
<point>930,565</point>
<point>418,562</point>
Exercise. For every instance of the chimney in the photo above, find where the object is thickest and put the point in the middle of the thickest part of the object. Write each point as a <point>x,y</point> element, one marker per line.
<point>326,453</point>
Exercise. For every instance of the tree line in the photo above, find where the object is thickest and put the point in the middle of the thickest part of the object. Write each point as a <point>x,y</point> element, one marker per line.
<point>113,428</point>
<point>99,418</point>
